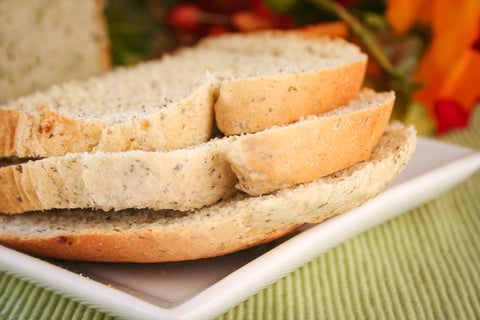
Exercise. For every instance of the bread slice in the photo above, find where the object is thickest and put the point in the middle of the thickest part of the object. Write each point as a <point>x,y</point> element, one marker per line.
<point>185,179</point>
<point>168,104</point>
<point>47,42</point>
<point>282,157</point>
<point>182,179</point>
<point>313,75</point>
<point>228,226</point>
<point>149,107</point>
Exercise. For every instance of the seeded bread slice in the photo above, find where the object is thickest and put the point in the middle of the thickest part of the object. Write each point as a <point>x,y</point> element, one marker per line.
<point>324,74</point>
<point>182,179</point>
<point>282,157</point>
<point>168,104</point>
<point>128,109</point>
<point>47,42</point>
<point>186,179</point>
<point>228,226</point>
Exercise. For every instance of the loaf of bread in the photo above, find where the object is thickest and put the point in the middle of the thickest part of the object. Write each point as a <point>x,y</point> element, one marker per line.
<point>47,42</point>
<point>185,179</point>
<point>168,104</point>
<point>227,226</point>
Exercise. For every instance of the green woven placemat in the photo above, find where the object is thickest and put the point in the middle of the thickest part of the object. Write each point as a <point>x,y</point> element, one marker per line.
<point>424,264</point>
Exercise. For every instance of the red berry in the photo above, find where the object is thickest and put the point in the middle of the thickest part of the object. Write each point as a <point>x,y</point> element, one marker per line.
<point>450,115</point>
<point>262,9</point>
<point>185,16</point>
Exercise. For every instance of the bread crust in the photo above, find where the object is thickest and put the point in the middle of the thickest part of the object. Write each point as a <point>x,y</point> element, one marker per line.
<point>285,156</point>
<point>45,132</point>
<point>251,105</point>
<point>228,226</point>
<point>49,133</point>
<point>144,246</point>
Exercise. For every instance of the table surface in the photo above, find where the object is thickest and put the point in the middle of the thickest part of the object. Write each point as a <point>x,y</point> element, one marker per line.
<point>424,264</point>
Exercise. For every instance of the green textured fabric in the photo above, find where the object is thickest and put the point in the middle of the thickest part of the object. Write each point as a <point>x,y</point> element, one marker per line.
<point>424,264</point>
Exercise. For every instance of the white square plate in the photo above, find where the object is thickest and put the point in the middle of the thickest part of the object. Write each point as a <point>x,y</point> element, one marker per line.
<point>206,288</point>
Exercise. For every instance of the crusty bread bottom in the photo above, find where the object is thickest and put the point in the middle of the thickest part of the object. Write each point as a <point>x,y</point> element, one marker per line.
<point>228,226</point>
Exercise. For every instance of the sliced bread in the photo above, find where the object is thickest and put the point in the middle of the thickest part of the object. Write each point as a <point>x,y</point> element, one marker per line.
<point>168,104</point>
<point>314,75</point>
<point>149,107</point>
<point>185,179</point>
<point>282,157</point>
<point>182,179</point>
<point>228,226</point>
<point>47,42</point>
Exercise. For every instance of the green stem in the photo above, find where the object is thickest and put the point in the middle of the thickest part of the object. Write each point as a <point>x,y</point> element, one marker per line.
<point>366,39</point>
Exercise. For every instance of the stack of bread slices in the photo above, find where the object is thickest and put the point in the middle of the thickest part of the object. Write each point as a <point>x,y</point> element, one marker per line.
<point>212,149</point>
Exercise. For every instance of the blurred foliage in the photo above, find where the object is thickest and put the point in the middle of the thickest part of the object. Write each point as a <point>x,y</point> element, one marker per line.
<point>136,34</point>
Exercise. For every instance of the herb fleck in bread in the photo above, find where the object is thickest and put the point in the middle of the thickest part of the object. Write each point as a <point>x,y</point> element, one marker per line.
<point>326,74</point>
<point>128,109</point>
<point>228,226</point>
<point>168,104</point>
<point>47,42</point>
<point>182,179</point>
<point>185,179</point>
<point>282,157</point>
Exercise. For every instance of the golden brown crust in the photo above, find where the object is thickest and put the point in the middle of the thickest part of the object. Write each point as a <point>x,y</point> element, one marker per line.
<point>283,157</point>
<point>47,132</point>
<point>156,244</point>
<point>8,122</point>
<point>251,105</point>
<point>145,246</point>
<point>17,190</point>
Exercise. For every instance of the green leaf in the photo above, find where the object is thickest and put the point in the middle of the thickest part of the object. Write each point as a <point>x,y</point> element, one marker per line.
<point>417,115</point>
